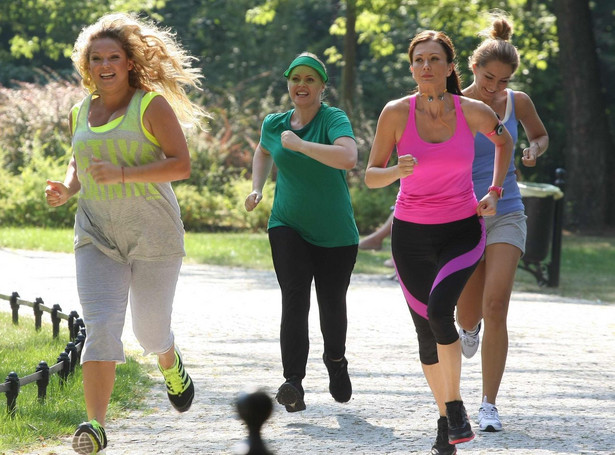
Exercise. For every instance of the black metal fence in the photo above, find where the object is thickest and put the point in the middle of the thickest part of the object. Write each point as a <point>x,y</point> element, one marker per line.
<point>67,360</point>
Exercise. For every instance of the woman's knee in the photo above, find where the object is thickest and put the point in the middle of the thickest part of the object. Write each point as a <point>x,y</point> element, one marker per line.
<point>442,324</point>
<point>495,310</point>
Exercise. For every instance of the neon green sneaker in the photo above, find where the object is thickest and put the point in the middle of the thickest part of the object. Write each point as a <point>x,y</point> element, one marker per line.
<point>180,389</point>
<point>90,438</point>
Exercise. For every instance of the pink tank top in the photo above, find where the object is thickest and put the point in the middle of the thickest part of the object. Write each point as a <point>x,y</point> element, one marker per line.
<point>440,189</point>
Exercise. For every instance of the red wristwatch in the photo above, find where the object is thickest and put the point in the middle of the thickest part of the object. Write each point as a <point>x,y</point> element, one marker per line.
<point>498,190</point>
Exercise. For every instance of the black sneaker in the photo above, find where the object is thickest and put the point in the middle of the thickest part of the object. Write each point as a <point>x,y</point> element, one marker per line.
<point>442,446</point>
<point>290,394</point>
<point>459,428</point>
<point>180,388</point>
<point>339,381</point>
<point>90,438</point>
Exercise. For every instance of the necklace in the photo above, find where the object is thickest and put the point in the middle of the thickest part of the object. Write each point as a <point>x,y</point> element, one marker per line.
<point>430,97</point>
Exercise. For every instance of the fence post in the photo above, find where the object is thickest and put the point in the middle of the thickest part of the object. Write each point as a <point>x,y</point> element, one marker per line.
<point>55,320</point>
<point>72,317</point>
<point>65,371</point>
<point>15,307</point>
<point>38,313</point>
<point>71,350</point>
<point>43,381</point>
<point>81,342</point>
<point>77,326</point>
<point>11,395</point>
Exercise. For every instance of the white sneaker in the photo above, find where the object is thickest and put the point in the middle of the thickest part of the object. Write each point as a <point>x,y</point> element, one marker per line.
<point>469,341</point>
<point>488,417</point>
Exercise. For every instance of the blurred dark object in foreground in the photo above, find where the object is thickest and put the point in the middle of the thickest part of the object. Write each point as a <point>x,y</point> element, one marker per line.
<point>254,409</point>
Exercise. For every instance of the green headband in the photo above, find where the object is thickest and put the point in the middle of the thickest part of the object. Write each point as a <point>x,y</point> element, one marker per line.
<point>305,60</point>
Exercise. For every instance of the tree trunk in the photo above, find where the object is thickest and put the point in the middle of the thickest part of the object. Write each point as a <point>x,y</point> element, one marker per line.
<point>587,134</point>
<point>350,56</point>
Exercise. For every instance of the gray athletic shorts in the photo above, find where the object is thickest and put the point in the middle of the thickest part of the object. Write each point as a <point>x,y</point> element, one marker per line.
<point>104,284</point>
<point>508,228</point>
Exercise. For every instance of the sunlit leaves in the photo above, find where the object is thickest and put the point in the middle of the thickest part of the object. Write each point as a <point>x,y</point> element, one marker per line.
<point>262,14</point>
<point>47,29</point>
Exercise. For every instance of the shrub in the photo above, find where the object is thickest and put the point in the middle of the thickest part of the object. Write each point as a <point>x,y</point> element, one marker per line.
<point>372,207</point>
<point>201,209</point>
<point>255,221</point>
<point>34,119</point>
<point>205,210</point>
<point>22,197</point>
<point>34,147</point>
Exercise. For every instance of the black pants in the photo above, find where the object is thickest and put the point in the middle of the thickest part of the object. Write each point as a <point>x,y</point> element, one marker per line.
<point>433,263</point>
<point>296,263</point>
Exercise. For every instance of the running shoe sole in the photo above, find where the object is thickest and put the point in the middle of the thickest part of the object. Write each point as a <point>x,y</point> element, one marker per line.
<point>290,398</point>
<point>461,439</point>
<point>86,441</point>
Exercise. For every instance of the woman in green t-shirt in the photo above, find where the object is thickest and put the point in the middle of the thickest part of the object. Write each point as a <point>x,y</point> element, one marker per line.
<point>312,230</point>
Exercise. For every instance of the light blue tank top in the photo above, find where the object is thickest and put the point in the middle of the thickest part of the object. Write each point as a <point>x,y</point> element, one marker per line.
<point>482,168</point>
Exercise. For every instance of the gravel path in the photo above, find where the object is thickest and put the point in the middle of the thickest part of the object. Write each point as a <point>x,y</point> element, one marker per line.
<point>557,397</point>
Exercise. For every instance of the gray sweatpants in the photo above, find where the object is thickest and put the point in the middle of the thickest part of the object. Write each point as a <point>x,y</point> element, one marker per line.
<point>103,285</point>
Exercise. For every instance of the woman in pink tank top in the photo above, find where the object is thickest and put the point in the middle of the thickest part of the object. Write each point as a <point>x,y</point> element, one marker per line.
<point>438,235</point>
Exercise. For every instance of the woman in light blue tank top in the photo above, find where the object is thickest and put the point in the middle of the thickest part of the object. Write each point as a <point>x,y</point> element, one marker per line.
<point>487,293</point>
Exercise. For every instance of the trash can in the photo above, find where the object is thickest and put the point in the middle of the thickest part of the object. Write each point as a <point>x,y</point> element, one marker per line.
<point>539,200</point>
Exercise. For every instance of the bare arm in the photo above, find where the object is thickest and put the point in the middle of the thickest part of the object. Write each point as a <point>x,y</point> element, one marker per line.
<point>388,132</point>
<point>481,118</point>
<point>56,192</point>
<point>261,167</point>
<point>534,129</point>
<point>342,154</point>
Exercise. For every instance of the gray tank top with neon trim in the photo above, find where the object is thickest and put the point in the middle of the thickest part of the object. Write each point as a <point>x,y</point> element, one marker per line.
<point>125,221</point>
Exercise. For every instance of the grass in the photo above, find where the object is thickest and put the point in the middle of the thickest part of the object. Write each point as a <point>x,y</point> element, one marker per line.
<point>586,269</point>
<point>230,249</point>
<point>37,424</point>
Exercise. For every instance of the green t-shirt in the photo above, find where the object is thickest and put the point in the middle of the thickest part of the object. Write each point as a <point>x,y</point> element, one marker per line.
<point>311,197</point>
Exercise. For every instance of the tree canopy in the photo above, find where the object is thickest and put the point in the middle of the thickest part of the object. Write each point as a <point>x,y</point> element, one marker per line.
<point>244,46</point>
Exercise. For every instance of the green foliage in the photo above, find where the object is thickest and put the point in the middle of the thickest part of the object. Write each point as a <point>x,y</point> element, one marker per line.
<point>41,33</point>
<point>372,207</point>
<point>34,121</point>
<point>33,148</point>
<point>256,220</point>
<point>224,151</point>
<point>244,46</point>
<point>22,197</point>
<point>245,59</point>
<point>200,208</point>
<point>205,210</point>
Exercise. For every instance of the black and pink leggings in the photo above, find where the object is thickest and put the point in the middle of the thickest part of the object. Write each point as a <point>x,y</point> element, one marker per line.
<point>433,264</point>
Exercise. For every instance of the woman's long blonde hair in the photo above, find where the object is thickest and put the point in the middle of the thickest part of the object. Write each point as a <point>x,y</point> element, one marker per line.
<point>160,63</point>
